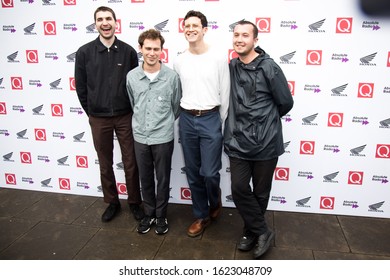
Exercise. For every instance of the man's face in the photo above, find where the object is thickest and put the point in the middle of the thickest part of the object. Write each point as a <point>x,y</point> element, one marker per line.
<point>243,40</point>
<point>151,51</point>
<point>105,24</point>
<point>193,30</point>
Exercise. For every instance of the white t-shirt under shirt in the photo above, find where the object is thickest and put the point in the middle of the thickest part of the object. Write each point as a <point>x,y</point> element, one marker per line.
<point>205,80</point>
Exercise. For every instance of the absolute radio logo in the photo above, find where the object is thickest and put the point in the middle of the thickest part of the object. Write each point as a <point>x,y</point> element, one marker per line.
<point>290,24</point>
<point>314,88</point>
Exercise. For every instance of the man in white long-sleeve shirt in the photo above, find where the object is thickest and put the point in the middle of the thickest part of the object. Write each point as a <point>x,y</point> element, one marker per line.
<point>204,74</point>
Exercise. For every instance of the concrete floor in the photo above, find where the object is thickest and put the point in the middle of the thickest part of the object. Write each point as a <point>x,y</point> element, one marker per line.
<point>51,226</point>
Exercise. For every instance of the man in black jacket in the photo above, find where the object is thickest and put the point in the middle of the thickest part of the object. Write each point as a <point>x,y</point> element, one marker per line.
<point>100,72</point>
<point>253,138</point>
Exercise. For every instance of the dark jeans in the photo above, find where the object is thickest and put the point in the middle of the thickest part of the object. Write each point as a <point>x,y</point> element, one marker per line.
<point>103,138</point>
<point>252,202</point>
<point>201,140</point>
<point>155,160</point>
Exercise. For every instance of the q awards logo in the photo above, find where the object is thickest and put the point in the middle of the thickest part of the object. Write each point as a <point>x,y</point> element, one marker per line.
<point>7,3</point>
<point>366,90</point>
<point>344,25</point>
<point>355,178</point>
<point>32,56</point>
<point>307,148</point>
<point>231,55</point>
<point>82,161</point>
<point>121,188</point>
<point>64,184</point>
<point>16,83</point>
<point>10,179</point>
<point>282,173</point>
<point>72,83</point>
<point>57,110</point>
<point>50,28</point>
<point>180,25</point>
<point>3,108</point>
<point>25,157</point>
<point>388,59</point>
<point>69,2</point>
<point>185,193</point>
<point>327,202</point>
<point>164,57</point>
<point>382,151</point>
<point>314,57</point>
<point>291,87</point>
<point>335,119</point>
<point>263,24</point>
<point>40,134</point>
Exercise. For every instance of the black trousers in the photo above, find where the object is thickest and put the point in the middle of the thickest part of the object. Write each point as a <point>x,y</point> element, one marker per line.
<point>154,161</point>
<point>103,129</point>
<point>252,201</point>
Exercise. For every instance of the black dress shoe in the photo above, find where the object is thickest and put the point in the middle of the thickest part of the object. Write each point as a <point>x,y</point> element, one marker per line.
<point>247,242</point>
<point>111,212</point>
<point>137,211</point>
<point>263,243</point>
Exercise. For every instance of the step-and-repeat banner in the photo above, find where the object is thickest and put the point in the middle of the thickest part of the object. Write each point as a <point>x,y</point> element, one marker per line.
<point>336,59</point>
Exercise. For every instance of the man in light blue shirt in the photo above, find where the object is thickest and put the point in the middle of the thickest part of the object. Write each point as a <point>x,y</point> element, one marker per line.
<point>155,92</point>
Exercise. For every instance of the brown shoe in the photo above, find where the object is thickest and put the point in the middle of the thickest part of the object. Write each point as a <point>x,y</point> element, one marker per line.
<point>197,227</point>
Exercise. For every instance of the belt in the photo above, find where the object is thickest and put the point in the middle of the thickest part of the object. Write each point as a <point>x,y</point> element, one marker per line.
<point>198,113</point>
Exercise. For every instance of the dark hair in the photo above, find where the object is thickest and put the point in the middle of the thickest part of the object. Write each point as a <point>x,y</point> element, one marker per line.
<point>151,34</point>
<point>255,29</point>
<point>197,14</point>
<point>104,9</point>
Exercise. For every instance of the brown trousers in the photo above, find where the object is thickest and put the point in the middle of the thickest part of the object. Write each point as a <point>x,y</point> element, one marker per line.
<point>103,129</point>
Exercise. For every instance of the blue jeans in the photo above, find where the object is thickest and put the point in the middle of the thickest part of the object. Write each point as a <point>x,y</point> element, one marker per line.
<point>201,141</point>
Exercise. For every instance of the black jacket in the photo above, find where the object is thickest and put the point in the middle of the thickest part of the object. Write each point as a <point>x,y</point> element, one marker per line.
<point>100,75</point>
<point>259,97</point>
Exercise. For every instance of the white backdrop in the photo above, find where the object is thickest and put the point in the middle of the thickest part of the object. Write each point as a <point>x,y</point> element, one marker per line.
<point>336,59</point>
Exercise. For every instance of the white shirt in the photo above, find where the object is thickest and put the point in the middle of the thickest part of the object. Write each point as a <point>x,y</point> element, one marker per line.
<point>205,80</point>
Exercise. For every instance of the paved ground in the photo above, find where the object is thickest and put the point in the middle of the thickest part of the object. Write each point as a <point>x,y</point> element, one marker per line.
<point>50,226</point>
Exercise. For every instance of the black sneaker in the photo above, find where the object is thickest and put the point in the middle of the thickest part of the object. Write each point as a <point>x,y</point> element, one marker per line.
<point>111,212</point>
<point>137,211</point>
<point>247,241</point>
<point>144,225</point>
<point>263,243</point>
<point>161,226</point>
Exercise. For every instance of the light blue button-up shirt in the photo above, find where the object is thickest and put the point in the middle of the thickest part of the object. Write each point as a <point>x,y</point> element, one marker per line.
<point>156,104</point>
